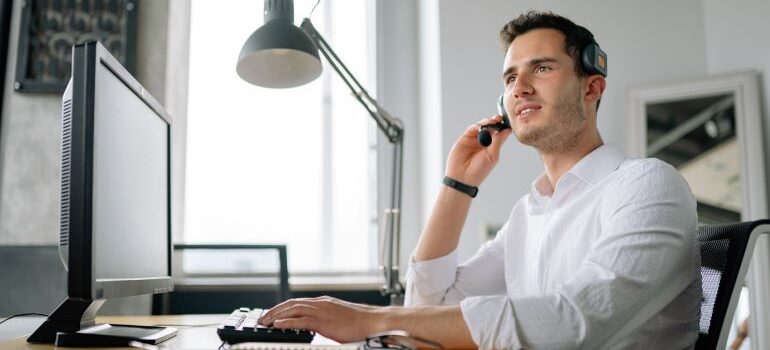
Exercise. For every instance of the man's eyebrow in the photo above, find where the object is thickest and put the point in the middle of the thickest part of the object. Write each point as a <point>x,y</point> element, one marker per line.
<point>532,62</point>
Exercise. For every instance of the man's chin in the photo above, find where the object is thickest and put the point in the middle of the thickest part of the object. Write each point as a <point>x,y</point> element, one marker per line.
<point>529,137</point>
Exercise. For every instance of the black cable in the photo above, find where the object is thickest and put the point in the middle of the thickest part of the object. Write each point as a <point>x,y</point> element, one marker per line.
<point>311,11</point>
<point>24,314</point>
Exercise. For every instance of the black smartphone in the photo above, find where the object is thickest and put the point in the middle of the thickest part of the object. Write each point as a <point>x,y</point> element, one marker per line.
<point>484,136</point>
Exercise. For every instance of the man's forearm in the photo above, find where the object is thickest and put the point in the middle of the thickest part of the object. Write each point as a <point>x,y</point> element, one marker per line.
<point>442,233</point>
<point>443,324</point>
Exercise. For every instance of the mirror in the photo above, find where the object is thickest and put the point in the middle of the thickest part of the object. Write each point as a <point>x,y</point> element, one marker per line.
<point>710,130</point>
<point>698,137</point>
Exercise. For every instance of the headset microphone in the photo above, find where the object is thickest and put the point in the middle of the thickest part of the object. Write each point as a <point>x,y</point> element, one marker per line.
<point>485,138</point>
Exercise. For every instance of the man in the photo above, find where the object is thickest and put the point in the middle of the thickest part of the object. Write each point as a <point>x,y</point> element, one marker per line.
<point>601,254</point>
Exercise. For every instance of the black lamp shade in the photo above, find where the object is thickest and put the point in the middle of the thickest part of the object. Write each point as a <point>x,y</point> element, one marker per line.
<point>278,55</point>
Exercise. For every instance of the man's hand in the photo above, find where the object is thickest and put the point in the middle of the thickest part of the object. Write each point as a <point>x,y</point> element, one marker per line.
<point>468,161</point>
<point>335,319</point>
<point>346,322</point>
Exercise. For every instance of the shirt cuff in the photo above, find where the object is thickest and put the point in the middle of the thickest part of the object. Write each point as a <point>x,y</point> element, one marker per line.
<point>427,281</point>
<point>491,321</point>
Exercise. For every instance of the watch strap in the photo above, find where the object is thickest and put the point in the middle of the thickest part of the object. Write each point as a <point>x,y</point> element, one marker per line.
<point>457,185</point>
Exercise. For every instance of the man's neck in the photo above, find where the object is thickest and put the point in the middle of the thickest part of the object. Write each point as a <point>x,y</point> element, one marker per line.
<point>559,162</point>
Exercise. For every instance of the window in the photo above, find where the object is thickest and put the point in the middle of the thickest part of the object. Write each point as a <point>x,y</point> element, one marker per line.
<point>292,166</point>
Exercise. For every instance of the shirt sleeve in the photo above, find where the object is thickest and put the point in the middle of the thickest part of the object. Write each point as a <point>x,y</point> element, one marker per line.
<point>640,264</point>
<point>441,281</point>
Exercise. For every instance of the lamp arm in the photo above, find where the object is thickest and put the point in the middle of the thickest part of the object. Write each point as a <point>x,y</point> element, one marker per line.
<point>394,130</point>
<point>392,127</point>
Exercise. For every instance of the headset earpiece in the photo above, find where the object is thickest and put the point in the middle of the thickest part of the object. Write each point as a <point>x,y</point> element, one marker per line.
<point>594,60</point>
<point>501,107</point>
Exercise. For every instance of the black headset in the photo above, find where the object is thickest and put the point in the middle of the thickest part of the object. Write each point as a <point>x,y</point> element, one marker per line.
<point>593,60</point>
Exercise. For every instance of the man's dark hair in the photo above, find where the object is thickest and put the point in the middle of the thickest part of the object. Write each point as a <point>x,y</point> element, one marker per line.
<point>576,37</point>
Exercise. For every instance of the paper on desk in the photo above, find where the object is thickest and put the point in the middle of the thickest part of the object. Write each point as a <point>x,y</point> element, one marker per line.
<point>296,346</point>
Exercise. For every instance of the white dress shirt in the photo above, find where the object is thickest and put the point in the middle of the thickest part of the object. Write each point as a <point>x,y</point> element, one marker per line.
<point>606,260</point>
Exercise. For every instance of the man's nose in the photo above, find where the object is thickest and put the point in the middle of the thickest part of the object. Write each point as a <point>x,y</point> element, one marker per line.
<point>522,86</point>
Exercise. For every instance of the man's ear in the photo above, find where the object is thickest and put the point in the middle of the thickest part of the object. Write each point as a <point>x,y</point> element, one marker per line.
<point>595,85</point>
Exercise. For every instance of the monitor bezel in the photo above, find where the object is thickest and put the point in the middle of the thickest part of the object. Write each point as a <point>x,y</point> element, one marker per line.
<point>82,282</point>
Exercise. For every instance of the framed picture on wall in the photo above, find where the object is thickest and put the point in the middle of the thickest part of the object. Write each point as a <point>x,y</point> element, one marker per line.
<point>49,28</point>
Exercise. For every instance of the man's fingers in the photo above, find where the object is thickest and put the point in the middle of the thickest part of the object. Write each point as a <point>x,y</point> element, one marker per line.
<point>486,121</point>
<point>498,139</point>
<point>308,323</point>
<point>277,308</point>
<point>493,151</point>
<point>294,311</point>
<point>281,308</point>
<point>473,129</point>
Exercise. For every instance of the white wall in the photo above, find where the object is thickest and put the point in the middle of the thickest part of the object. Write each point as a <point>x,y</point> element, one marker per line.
<point>30,144</point>
<point>737,39</point>
<point>645,41</point>
<point>29,158</point>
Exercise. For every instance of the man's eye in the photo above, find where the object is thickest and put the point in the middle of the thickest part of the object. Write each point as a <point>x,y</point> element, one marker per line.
<point>542,69</point>
<point>510,80</point>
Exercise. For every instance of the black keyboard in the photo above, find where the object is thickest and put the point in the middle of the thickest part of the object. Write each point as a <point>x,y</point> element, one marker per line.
<point>241,326</point>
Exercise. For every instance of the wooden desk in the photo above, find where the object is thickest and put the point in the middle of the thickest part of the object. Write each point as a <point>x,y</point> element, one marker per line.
<point>187,337</point>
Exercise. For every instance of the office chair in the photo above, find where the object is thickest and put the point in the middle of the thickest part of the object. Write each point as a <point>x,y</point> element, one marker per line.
<point>725,254</point>
<point>221,291</point>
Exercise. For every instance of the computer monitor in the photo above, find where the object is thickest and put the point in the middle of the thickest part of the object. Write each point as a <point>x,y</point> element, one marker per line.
<point>115,226</point>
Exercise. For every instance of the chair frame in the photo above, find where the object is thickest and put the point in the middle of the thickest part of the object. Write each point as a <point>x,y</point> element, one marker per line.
<point>732,277</point>
<point>283,274</point>
<point>283,291</point>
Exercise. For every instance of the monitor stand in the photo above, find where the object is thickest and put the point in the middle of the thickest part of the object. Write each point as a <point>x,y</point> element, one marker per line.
<point>73,324</point>
<point>71,316</point>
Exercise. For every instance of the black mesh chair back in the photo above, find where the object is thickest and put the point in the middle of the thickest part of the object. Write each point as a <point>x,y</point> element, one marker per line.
<point>725,254</point>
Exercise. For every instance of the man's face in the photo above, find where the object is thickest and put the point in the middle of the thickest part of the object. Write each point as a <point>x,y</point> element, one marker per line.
<point>543,93</point>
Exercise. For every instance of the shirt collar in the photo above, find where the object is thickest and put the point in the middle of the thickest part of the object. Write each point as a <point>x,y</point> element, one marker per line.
<point>596,165</point>
<point>592,168</point>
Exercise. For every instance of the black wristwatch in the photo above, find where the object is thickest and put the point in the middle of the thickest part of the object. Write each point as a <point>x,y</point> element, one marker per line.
<point>467,189</point>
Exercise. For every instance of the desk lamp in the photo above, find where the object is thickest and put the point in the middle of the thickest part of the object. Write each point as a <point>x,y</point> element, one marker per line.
<point>280,55</point>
